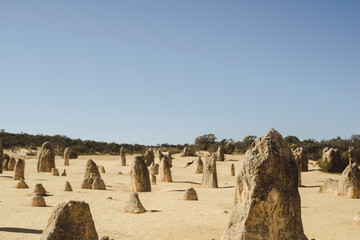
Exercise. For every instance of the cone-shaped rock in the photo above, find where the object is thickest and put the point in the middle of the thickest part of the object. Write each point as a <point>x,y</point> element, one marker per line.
<point>21,184</point>
<point>63,173</point>
<point>232,170</point>
<point>153,179</point>
<point>1,156</point>
<point>332,156</point>
<point>209,178</point>
<point>66,156</point>
<point>98,184</point>
<point>102,169</point>
<point>149,156</point>
<point>133,204</point>
<point>70,221</point>
<point>19,170</point>
<point>140,179</point>
<point>164,170</point>
<point>199,166</point>
<point>37,200</point>
<point>348,185</point>
<point>39,189</point>
<point>46,158</point>
<point>220,154</point>
<point>190,194</point>
<point>122,155</point>
<point>91,170</point>
<point>154,168</point>
<point>11,164</point>
<point>354,155</point>
<point>267,200</point>
<point>5,164</point>
<point>68,187</point>
<point>55,172</point>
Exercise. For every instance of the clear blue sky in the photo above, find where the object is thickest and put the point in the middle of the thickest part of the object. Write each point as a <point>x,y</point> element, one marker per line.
<point>154,72</point>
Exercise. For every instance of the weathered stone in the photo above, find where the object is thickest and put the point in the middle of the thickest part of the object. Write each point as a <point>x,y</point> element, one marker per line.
<point>37,200</point>
<point>46,158</point>
<point>140,179</point>
<point>11,164</point>
<point>220,154</point>
<point>91,170</point>
<point>1,157</point>
<point>232,170</point>
<point>154,168</point>
<point>301,155</point>
<point>87,183</point>
<point>190,194</point>
<point>66,156</point>
<point>55,172</point>
<point>68,187</point>
<point>199,166</point>
<point>21,184</point>
<point>123,157</point>
<point>332,156</point>
<point>267,200</point>
<point>298,161</point>
<point>102,169</point>
<point>133,204</point>
<point>70,221</point>
<point>39,189</point>
<point>149,156</point>
<point>160,154</point>
<point>5,163</point>
<point>164,170</point>
<point>354,155</point>
<point>98,184</point>
<point>63,173</point>
<point>170,158</point>
<point>329,186</point>
<point>153,179</point>
<point>19,170</point>
<point>185,152</point>
<point>356,219</point>
<point>348,185</point>
<point>209,178</point>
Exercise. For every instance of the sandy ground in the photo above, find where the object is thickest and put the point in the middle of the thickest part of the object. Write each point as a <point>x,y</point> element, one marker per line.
<point>325,216</point>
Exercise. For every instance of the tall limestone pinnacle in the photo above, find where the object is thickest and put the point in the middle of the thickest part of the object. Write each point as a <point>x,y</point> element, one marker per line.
<point>267,201</point>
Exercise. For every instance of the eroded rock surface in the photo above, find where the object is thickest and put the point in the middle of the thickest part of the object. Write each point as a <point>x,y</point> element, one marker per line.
<point>348,185</point>
<point>267,201</point>
<point>140,179</point>
<point>190,194</point>
<point>46,160</point>
<point>209,178</point>
<point>70,221</point>
<point>164,170</point>
<point>133,204</point>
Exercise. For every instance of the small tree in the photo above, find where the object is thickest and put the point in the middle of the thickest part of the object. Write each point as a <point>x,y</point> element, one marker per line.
<point>205,141</point>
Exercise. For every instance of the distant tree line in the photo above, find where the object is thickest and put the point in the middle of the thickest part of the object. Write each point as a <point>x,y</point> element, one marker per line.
<point>78,146</point>
<point>207,142</point>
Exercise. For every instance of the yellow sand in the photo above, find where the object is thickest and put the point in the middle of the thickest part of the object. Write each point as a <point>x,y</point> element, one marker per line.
<point>325,216</point>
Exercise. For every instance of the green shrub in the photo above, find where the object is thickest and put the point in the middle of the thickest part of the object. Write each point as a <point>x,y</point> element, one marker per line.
<point>73,154</point>
<point>324,164</point>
